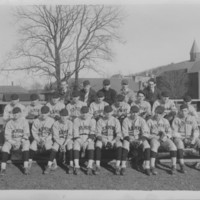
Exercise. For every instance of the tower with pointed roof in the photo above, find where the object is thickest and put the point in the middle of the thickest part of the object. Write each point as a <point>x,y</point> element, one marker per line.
<point>194,52</point>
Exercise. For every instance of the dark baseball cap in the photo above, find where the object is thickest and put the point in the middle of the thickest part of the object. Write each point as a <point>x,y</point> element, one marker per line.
<point>106,82</point>
<point>108,109</point>
<point>16,110</point>
<point>183,106</point>
<point>165,94</point>
<point>160,109</point>
<point>100,94</point>
<point>14,97</point>
<point>64,112</point>
<point>134,109</point>
<point>140,92</point>
<point>120,97</point>
<point>86,82</point>
<point>34,97</point>
<point>75,94</point>
<point>187,98</point>
<point>84,110</point>
<point>124,82</point>
<point>45,109</point>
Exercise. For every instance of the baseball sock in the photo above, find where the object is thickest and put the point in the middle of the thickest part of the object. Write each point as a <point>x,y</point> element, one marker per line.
<point>31,155</point>
<point>70,153</point>
<point>153,158</point>
<point>90,155</point>
<point>147,158</point>
<point>173,155</point>
<point>98,156</point>
<point>118,156</point>
<point>76,158</point>
<point>4,160</point>
<point>124,157</point>
<point>25,158</point>
<point>180,156</point>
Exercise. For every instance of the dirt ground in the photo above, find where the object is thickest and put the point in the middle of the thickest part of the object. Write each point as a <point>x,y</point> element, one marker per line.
<point>133,180</point>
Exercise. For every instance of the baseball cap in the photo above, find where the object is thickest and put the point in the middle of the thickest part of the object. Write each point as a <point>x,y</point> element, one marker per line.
<point>134,109</point>
<point>86,82</point>
<point>56,96</point>
<point>108,109</point>
<point>16,110</point>
<point>120,97</point>
<point>187,98</point>
<point>106,82</point>
<point>140,92</point>
<point>160,109</point>
<point>165,94</point>
<point>183,106</point>
<point>124,82</point>
<point>75,94</point>
<point>100,94</point>
<point>64,112</point>
<point>14,97</point>
<point>45,109</point>
<point>84,110</point>
<point>34,97</point>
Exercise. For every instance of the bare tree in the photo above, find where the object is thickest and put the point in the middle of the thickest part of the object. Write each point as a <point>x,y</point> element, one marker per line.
<point>59,41</point>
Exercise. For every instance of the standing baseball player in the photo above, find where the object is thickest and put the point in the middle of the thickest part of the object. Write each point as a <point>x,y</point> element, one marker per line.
<point>108,137</point>
<point>121,109</point>
<point>97,107</point>
<point>144,106</point>
<point>160,134</point>
<point>62,136</point>
<point>7,115</point>
<point>84,135</point>
<point>55,106</point>
<point>135,133</point>
<point>185,133</point>
<point>42,133</point>
<point>16,137</point>
<point>75,106</point>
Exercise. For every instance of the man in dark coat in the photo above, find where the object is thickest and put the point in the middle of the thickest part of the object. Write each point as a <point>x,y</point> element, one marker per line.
<point>110,94</point>
<point>87,94</point>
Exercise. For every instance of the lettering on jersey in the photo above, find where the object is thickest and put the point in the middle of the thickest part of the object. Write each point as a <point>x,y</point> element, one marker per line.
<point>83,128</point>
<point>63,133</point>
<point>17,133</point>
<point>134,130</point>
<point>98,112</point>
<point>108,130</point>
<point>44,131</point>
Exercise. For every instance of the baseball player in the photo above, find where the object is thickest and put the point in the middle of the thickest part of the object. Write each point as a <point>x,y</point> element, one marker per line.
<point>170,108</point>
<point>16,137</point>
<point>7,115</point>
<point>185,133</point>
<point>84,135</point>
<point>62,136</point>
<point>97,107</point>
<point>42,133</point>
<point>121,109</point>
<point>55,106</point>
<point>108,137</point>
<point>135,133</point>
<point>160,134</point>
<point>144,106</point>
<point>75,106</point>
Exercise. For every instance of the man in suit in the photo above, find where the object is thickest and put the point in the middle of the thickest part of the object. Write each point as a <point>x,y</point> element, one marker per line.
<point>87,94</point>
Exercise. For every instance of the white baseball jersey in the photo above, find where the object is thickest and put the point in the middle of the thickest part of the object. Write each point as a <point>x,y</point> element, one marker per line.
<point>84,127</point>
<point>169,106</point>
<point>109,128</point>
<point>135,128</point>
<point>185,127</point>
<point>144,107</point>
<point>129,95</point>
<point>120,109</point>
<point>7,115</point>
<point>62,130</point>
<point>192,111</point>
<point>16,130</point>
<point>42,128</point>
<point>97,109</point>
<point>74,109</point>
<point>33,110</point>
<point>55,108</point>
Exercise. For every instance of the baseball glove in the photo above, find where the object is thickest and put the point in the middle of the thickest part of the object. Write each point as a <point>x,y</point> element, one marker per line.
<point>109,145</point>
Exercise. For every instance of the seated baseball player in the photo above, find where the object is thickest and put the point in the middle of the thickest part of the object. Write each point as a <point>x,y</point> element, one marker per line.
<point>62,136</point>
<point>75,106</point>
<point>108,137</point>
<point>97,107</point>
<point>7,115</point>
<point>16,137</point>
<point>135,133</point>
<point>185,133</point>
<point>160,134</point>
<point>168,104</point>
<point>121,109</point>
<point>55,106</point>
<point>42,133</point>
<point>144,106</point>
<point>84,135</point>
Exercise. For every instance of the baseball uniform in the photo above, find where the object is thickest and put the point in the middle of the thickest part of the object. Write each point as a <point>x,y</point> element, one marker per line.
<point>55,108</point>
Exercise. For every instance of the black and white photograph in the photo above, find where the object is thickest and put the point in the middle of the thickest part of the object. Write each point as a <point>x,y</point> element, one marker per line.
<point>100,99</point>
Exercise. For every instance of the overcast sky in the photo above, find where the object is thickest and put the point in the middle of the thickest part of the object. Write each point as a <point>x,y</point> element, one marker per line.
<point>155,35</point>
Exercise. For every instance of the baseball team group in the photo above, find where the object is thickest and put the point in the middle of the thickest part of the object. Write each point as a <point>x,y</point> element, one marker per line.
<point>82,123</point>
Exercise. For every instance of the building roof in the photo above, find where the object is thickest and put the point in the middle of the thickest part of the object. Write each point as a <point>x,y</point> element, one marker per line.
<point>7,89</point>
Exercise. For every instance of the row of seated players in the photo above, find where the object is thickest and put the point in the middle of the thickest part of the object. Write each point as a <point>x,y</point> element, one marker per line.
<point>89,133</point>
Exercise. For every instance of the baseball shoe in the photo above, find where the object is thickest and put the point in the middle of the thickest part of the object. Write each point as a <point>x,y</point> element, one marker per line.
<point>76,171</point>
<point>70,169</point>
<point>117,171</point>
<point>123,171</point>
<point>54,166</point>
<point>3,172</point>
<point>182,168</point>
<point>173,170</point>
<point>47,170</point>
<point>197,165</point>
<point>153,171</point>
<point>147,172</point>
<point>82,154</point>
<point>26,170</point>
<point>89,171</point>
<point>97,170</point>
